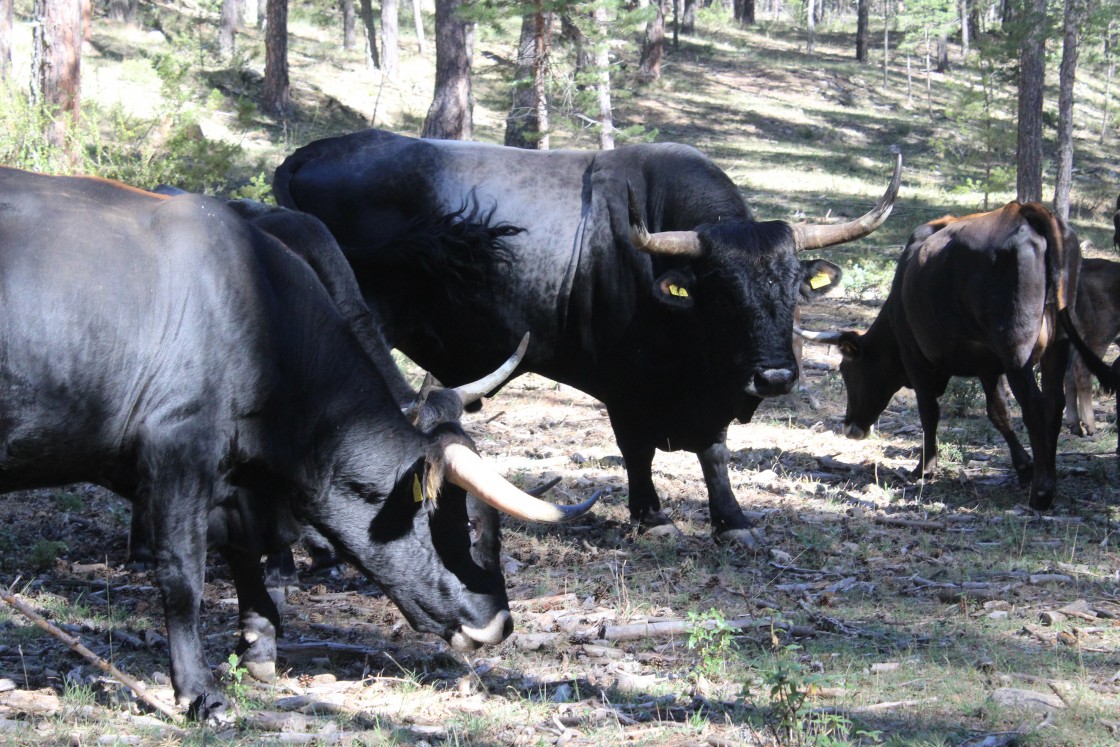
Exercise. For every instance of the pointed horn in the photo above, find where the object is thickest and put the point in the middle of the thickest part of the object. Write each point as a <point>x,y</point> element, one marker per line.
<point>683,243</point>
<point>466,469</point>
<point>816,237</point>
<point>476,390</point>
<point>824,338</point>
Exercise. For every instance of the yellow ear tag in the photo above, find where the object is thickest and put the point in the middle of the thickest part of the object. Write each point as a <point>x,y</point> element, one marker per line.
<point>677,291</point>
<point>820,280</point>
<point>417,491</point>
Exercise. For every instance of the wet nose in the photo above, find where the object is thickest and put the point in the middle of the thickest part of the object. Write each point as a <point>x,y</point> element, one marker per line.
<point>771,382</point>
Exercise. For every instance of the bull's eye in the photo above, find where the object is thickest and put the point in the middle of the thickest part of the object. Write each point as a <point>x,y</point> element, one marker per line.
<point>472,527</point>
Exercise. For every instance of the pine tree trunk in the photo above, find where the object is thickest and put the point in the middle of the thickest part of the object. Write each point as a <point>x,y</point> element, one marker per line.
<point>277,95</point>
<point>522,125</point>
<point>653,46</point>
<point>227,30</point>
<point>449,117</point>
<point>1110,69</point>
<point>1032,69</point>
<point>7,26</point>
<point>1071,21</point>
<point>349,25</point>
<point>57,63</point>
<point>123,11</point>
<point>418,22</point>
<point>863,30</point>
<point>810,26</point>
<point>603,68</point>
<point>262,15</point>
<point>390,37</point>
<point>688,17</point>
<point>371,32</point>
<point>964,29</point>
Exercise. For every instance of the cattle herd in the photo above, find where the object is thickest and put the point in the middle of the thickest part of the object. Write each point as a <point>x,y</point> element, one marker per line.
<point>226,366</point>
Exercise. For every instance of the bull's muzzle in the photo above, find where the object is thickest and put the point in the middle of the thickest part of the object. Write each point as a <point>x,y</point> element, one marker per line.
<point>851,430</point>
<point>772,382</point>
<point>468,638</point>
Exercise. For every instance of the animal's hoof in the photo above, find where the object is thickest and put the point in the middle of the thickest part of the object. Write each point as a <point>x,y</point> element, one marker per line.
<point>261,671</point>
<point>751,539</point>
<point>664,530</point>
<point>207,709</point>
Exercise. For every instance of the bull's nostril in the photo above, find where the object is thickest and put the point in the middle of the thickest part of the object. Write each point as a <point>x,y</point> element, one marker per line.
<point>774,380</point>
<point>507,629</point>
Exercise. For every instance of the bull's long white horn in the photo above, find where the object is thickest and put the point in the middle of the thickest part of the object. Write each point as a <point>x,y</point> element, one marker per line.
<point>476,390</point>
<point>470,472</point>
<point>818,236</point>
<point>825,338</point>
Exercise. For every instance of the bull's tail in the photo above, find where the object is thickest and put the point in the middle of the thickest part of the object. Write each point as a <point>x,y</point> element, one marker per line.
<point>1062,262</point>
<point>1108,376</point>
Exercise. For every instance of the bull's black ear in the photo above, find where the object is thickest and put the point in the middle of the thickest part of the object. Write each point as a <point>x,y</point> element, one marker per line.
<point>818,276</point>
<point>675,288</point>
<point>850,344</point>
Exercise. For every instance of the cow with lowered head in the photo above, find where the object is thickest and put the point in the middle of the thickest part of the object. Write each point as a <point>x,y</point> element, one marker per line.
<point>177,354</point>
<point>1098,314</point>
<point>639,272</point>
<point>986,296</point>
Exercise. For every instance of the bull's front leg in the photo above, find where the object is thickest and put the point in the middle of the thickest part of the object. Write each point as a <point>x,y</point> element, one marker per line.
<point>179,543</point>
<point>729,523</point>
<point>259,619</point>
<point>644,503</point>
<point>929,413</point>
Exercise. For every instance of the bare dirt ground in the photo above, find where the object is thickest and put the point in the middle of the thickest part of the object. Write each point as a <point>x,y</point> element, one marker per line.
<point>905,613</point>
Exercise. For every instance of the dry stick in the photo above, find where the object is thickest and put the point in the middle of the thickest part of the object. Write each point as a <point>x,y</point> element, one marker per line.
<point>76,645</point>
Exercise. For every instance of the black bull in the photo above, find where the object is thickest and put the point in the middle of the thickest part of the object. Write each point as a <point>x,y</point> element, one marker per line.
<point>463,246</point>
<point>986,295</point>
<point>175,353</point>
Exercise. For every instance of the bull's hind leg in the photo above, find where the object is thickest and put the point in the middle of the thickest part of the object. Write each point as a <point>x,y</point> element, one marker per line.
<point>1043,437</point>
<point>1000,416</point>
<point>259,618</point>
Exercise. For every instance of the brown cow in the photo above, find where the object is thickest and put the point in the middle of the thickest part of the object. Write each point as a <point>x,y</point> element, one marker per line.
<point>977,296</point>
<point>1098,314</point>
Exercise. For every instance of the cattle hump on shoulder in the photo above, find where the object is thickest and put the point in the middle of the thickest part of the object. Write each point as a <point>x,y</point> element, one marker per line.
<point>986,295</point>
<point>639,272</point>
<point>179,355</point>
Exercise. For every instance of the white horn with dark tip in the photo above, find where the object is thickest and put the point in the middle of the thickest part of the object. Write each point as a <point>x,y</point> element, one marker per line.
<point>816,237</point>
<point>470,472</point>
<point>824,338</point>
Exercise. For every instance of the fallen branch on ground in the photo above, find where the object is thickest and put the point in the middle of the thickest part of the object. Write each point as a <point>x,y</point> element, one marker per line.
<point>76,645</point>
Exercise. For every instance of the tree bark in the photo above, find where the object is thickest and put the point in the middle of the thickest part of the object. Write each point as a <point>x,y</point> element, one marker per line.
<point>277,93</point>
<point>527,123</point>
<point>863,30</point>
<point>744,11</point>
<point>123,11</point>
<point>371,32</point>
<point>964,29</point>
<point>57,63</point>
<point>7,26</point>
<point>810,25</point>
<point>688,17</point>
<point>1110,69</point>
<point>1071,20</point>
<point>262,15</point>
<point>418,23</point>
<point>449,117</point>
<point>1032,69</point>
<point>653,46</point>
<point>349,25</point>
<point>390,37</point>
<point>603,69</point>
<point>230,25</point>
